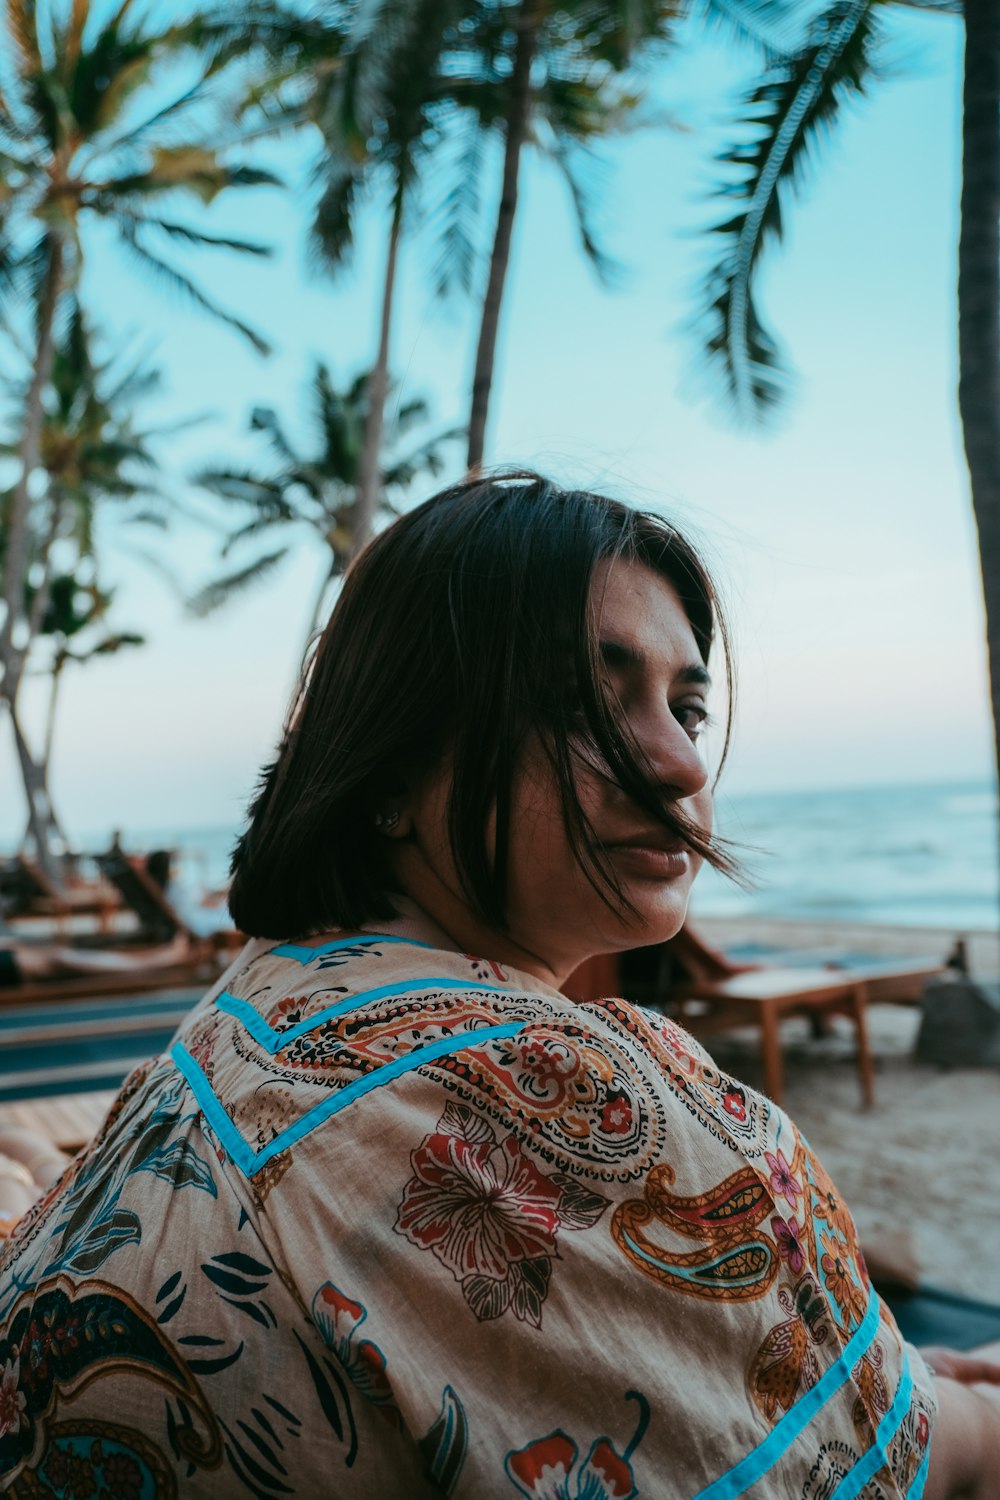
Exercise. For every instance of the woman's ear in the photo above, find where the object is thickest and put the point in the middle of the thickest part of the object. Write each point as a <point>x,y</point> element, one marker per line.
<point>394,821</point>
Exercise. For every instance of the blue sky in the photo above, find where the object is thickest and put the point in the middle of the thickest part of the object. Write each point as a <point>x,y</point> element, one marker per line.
<point>843,537</point>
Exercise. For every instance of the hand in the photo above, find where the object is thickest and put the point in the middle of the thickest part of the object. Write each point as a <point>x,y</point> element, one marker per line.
<point>967,1369</point>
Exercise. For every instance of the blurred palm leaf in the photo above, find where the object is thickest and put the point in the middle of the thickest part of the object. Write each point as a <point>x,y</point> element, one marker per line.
<point>72,85</point>
<point>314,491</point>
<point>221,590</point>
<point>797,102</point>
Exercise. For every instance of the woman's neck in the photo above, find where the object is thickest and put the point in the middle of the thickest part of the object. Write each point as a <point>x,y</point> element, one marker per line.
<point>413,922</point>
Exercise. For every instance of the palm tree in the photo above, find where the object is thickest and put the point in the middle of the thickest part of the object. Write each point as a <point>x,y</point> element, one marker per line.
<point>545,75</point>
<point>561,76</point>
<point>76,147</point>
<point>367,80</point>
<point>75,624</point>
<point>91,452</point>
<point>316,492</point>
<point>801,95</point>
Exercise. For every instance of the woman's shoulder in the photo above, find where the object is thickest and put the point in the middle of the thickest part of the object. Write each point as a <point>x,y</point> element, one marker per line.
<point>304,1032</point>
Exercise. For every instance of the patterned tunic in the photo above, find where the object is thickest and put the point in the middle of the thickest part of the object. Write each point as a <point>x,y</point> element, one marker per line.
<point>387,1221</point>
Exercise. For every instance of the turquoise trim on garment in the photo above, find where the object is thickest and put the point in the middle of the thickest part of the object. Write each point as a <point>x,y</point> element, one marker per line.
<point>251,1162</point>
<point>878,1454</point>
<point>276,1041</point>
<point>781,1437</point>
<point>305,955</point>
<point>220,1123</point>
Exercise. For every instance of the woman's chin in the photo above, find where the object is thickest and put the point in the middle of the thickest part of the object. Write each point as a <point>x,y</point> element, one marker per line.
<point>659,916</point>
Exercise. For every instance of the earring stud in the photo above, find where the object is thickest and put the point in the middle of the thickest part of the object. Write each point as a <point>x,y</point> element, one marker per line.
<point>386,822</point>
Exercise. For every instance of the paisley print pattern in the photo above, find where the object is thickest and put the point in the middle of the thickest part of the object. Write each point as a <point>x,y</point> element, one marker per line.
<point>737,1261</point>
<point>386,1220</point>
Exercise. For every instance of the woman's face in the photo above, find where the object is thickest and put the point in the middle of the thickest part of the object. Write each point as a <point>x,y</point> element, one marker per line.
<point>555,917</point>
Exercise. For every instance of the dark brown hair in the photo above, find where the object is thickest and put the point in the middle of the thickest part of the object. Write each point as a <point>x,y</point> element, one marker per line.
<point>462,628</point>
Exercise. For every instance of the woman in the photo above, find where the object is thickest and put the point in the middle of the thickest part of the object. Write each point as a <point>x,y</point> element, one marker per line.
<point>394,1218</point>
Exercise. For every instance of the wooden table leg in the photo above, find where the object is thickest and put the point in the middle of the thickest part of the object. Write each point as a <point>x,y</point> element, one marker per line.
<point>770,1050</point>
<point>866,1068</point>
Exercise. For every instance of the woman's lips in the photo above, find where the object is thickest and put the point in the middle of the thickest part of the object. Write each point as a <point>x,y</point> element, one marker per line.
<point>650,861</point>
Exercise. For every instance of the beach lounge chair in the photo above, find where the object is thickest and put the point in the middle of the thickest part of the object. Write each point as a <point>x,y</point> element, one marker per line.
<point>159,920</point>
<point>709,993</point>
<point>27,891</point>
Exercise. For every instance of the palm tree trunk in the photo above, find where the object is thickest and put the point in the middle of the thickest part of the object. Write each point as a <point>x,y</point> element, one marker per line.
<point>369,466</point>
<point>979,307</point>
<point>55,682</point>
<point>12,651</point>
<point>41,821</point>
<point>528,22</point>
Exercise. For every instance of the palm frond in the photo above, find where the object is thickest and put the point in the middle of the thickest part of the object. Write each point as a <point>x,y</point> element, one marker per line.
<point>331,234</point>
<point>618,36</point>
<point>219,591</point>
<point>73,36</point>
<point>189,168</point>
<point>110,644</point>
<point>458,213</point>
<point>250,529</point>
<point>137,135</point>
<point>798,99</point>
<point>199,237</point>
<point>376,37</point>
<point>245,488</point>
<point>148,518</point>
<point>22,23</point>
<point>340,421</point>
<point>426,459</point>
<point>772,26</point>
<point>107,75</point>
<point>137,380</point>
<point>409,414</point>
<point>182,284</point>
<point>567,156</point>
<point>266,419</point>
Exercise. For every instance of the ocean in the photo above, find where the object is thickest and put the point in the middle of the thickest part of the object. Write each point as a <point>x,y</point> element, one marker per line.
<point>911,856</point>
<point>907,855</point>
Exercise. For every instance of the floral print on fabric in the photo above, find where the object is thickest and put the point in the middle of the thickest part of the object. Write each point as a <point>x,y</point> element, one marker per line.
<point>338,1319</point>
<point>12,1398</point>
<point>549,1468</point>
<point>488,1213</point>
<point>786,1364</point>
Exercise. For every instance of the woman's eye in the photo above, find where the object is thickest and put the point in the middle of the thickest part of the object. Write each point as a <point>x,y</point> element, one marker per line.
<point>692,717</point>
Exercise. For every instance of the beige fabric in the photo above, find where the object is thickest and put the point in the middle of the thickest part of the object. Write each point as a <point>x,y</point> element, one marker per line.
<point>392,1221</point>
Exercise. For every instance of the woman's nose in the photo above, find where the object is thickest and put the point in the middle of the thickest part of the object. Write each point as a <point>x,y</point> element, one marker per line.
<point>675,758</point>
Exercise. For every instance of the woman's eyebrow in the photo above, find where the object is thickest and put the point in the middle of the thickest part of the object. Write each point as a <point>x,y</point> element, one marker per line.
<point>619,654</point>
